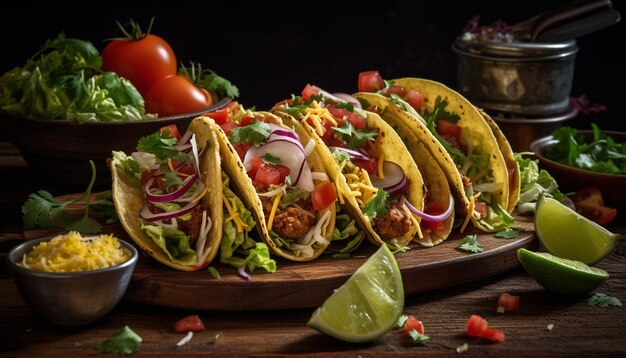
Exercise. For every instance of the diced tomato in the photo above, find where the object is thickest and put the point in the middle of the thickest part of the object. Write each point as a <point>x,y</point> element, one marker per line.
<point>333,141</point>
<point>397,90</point>
<point>370,166</point>
<point>246,120</point>
<point>310,90</point>
<point>590,204</point>
<point>232,106</point>
<point>370,81</point>
<point>228,126</point>
<point>323,196</point>
<point>433,208</point>
<point>328,132</point>
<point>146,176</point>
<point>242,149</point>
<point>481,207</point>
<point>413,323</point>
<point>256,163</point>
<point>220,116</point>
<point>171,129</point>
<point>183,169</point>
<point>271,174</point>
<point>449,130</point>
<point>357,121</point>
<point>508,302</point>
<point>338,113</point>
<point>493,335</point>
<point>189,323</point>
<point>476,325</point>
<point>414,98</point>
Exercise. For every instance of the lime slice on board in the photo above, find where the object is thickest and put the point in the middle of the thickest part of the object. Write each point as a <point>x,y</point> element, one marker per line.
<point>561,275</point>
<point>366,306</point>
<point>567,234</point>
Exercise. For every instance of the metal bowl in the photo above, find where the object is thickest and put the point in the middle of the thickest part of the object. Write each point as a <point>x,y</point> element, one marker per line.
<point>71,298</point>
<point>571,179</point>
<point>61,150</point>
<point>518,77</point>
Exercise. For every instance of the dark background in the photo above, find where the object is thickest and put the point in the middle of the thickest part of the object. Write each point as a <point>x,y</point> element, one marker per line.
<point>273,49</point>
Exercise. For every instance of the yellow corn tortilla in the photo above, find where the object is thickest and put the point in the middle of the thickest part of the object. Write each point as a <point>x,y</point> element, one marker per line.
<point>128,198</point>
<point>234,167</point>
<point>435,180</point>
<point>509,157</point>
<point>483,140</point>
<point>389,144</point>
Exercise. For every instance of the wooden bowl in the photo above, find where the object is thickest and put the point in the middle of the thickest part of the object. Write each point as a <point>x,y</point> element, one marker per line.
<point>570,179</point>
<point>61,150</point>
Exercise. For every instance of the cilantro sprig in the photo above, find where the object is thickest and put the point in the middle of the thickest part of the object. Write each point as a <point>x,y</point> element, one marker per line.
<point>123,341</point>
<point>470,244</point>
<point>256,133</point>
<point>162,145</point>
<point>42,210</point>
<point>603,300</point>
<point>355,138</point>
<point>378,205</point>
<point>440,112</point>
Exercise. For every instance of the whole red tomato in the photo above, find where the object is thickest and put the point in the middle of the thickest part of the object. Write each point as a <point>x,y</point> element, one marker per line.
<point>176,94</point>
<point>142,61</point>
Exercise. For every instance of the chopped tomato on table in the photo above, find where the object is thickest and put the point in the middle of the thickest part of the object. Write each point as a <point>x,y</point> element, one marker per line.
<point>413,323</point>
<point>508,302</point>
<point>189,323</point>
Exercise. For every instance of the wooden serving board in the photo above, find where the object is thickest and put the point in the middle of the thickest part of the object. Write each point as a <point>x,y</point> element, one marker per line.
<point>309,284</point>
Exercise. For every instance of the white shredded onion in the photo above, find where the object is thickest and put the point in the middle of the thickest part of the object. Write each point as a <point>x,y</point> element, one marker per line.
<point>319,176</point>
<point>308,148</point>
<point>486,187</point>
<point>185,339</point>
<point>273,193</point>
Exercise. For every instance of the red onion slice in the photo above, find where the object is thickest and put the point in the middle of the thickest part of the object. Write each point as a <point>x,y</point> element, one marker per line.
<point>242,272</point>
<point>352,153</point>
<point>160,198</point>
<point>394,175</point>
<point>147,215</point>
<point>432,218</point>
<point>344,97</point>
<point>292,155</point>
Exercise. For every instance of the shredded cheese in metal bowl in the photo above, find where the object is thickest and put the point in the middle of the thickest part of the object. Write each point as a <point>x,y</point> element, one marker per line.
<point>72,253</point>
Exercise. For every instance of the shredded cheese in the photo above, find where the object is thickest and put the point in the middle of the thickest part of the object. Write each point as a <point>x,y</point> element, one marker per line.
<point>381,161</point>
<point>420,235</point>
<point>73,253</point>
<point>201,195</point>
<point>270,221</point>
<point>470,212</point>
<point>234,215</point>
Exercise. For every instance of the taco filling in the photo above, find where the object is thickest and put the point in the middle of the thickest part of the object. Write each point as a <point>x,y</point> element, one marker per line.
<point>294,207</point>
<point>166,166</point>
<point>378,185</point>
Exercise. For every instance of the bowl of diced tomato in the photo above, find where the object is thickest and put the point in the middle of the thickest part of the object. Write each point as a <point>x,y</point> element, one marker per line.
<point>587,166</point>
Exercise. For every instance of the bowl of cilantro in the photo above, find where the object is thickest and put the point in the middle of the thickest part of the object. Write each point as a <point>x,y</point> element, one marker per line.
<point>586,158</point>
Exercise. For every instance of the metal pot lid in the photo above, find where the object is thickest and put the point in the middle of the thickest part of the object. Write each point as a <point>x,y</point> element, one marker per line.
<point>515,50</point>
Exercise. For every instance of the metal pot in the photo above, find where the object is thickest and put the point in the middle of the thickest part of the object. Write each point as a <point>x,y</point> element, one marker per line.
<point>519,77</point>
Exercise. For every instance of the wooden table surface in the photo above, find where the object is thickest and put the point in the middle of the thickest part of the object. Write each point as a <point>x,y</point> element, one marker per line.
<point>578,329</point>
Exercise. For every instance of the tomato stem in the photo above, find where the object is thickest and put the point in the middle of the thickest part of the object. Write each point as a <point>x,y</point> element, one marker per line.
<point>135,34</point>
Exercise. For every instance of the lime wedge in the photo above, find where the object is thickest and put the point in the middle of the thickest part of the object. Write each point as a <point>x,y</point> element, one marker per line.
<point>567,234</point>
<point>366,306</point>
<point>561,275</point>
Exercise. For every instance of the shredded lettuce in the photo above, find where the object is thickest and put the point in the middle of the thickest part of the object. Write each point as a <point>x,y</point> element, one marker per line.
<point>64,81</point>
<point>347,236</point>
<point>237,248</point>
<point>172,241</point>
<point>534,183</point>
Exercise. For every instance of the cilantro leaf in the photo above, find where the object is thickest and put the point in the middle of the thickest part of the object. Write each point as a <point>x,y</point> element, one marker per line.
<point>124,341</point>
<point>470,244</point>
<point>418,338</point>
<point>213,271</point>
<point>269,158</point>
<point>162,145</point>
<point>355,138</point>
<point>603,300</point>
<point>440,112</point>
<point>378,205</point>
<point>509,232</point>
<point>256,133</point>
<point>401,321</point>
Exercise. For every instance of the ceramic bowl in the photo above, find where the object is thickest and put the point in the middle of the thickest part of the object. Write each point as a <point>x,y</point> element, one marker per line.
<point>570,179</point>
<point>71,298</point>
<point>61,150</point>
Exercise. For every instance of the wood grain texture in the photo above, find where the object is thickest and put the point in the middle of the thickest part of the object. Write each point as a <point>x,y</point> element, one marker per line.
<point>308,284</point>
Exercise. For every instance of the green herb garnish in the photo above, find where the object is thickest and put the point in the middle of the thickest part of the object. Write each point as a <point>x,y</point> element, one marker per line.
<point>256,133</point>
<point>354,138</point>
<point>269,158</point>
<point>124,341</point>
<point>603,300</point>
<point>470,244</point>
<point>378,205</point>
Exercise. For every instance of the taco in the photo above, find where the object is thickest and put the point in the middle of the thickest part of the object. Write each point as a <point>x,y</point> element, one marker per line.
<point>282,181</point>
<point>375,175</point>
<point>171,197</point>
<point>459,139</point>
